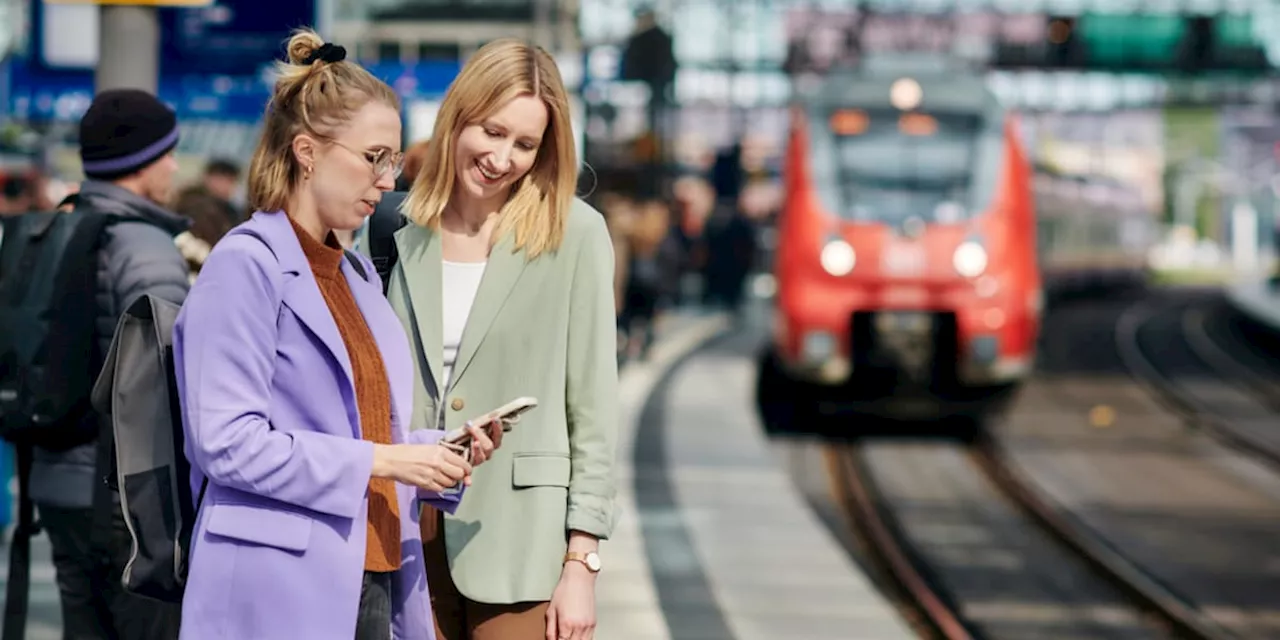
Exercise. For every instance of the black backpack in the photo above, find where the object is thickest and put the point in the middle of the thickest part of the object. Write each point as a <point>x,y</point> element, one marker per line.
<point>48,284</point>
<point>48,287</point>
<point>383,225</point>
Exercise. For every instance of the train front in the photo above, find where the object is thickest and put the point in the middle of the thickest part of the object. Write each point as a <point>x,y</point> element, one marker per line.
<point>906,268</point>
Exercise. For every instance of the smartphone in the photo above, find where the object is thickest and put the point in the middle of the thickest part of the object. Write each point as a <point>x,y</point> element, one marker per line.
<point>508,413</point>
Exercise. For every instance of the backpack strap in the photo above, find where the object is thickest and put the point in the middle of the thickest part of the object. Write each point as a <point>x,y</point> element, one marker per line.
<point>102,527</point>
<point>19,588</point>
<point>101,530</point>
<point>356,264</point>
<point>383,225</point>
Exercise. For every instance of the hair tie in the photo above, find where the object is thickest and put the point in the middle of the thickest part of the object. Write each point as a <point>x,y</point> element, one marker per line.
<point>327,52</point>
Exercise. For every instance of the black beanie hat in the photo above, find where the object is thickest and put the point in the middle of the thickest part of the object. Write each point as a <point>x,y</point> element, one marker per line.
<point>123,131</point>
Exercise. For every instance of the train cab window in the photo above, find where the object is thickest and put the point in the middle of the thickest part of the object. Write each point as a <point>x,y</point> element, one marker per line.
<point>887,165</point>
<point>849,122</point>
<point>917,124</point>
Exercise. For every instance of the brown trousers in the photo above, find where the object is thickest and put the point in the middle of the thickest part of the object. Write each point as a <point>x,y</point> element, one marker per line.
<point>458,618</point>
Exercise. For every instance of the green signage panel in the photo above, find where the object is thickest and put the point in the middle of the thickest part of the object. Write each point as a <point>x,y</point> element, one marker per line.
<point>1151,43</point>
<point>1130,40</point>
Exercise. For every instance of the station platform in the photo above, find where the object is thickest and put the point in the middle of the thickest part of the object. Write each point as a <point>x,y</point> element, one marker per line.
<point>715,542</point>
<point>1258,300</point>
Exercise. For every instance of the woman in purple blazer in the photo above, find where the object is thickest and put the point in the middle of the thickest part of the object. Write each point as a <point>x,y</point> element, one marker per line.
<point>296,386</point>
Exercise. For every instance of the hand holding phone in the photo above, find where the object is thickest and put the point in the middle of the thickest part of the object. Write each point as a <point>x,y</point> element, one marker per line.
<point>507,415</point>
<point>475,445</point>
<point>423,466</point>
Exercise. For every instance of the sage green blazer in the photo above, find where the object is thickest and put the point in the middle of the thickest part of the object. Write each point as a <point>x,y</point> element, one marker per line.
<point>544,328</point>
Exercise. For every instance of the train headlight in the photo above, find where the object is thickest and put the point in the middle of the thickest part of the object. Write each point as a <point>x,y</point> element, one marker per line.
<point>838,258</point>
<point>818,346</point>
<point>970,259</point>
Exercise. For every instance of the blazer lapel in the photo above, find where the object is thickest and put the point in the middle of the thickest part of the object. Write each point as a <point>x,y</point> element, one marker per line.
<point>383,324</point>
<point>302,295</point>
<point>301,291</point>
<point>500,277</point>
<point>422,267</point>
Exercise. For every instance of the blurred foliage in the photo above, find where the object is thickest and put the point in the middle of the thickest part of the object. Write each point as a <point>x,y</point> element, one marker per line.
<point>1193,134</point>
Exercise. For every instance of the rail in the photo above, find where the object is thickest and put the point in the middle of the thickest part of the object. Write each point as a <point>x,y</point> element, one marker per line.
<point>858,494</point>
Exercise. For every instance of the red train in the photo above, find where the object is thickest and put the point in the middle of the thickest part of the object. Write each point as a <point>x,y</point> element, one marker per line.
<point>906,269</point>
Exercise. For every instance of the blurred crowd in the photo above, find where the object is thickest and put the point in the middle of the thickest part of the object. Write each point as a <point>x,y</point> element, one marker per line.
<point>692,241</point>
<point>211,203</point>
<point>688,241</point>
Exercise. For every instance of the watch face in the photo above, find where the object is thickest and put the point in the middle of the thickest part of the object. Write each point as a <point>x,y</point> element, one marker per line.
<point>593,561</point>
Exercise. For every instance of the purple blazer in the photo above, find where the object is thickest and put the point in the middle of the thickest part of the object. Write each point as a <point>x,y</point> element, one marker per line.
<point>271,420</point>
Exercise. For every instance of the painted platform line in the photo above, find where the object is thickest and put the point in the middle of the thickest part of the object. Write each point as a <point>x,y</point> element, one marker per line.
<point>627,601</point>
<point>772,568</point>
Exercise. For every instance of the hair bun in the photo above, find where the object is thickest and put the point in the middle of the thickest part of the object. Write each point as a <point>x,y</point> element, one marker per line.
<point>302,45</point>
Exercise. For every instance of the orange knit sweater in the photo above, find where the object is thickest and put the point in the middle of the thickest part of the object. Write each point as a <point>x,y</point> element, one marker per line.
<point>373,393</point>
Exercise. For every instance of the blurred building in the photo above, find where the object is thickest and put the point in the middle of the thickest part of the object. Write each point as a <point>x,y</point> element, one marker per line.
<point>434,37</point>
<point>413,30</point>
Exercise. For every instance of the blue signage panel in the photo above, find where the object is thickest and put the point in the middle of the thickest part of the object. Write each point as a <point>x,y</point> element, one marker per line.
<point>42,95</point>
<point>39,95</point>
<point>228,37</point>
<point>6,81</point>
<point>424,79</point>
<point>231,36</point>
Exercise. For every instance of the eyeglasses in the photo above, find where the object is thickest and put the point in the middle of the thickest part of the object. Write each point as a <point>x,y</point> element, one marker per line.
<point>381,161</point>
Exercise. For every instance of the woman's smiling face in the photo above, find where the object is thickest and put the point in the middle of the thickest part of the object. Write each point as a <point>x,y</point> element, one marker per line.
<point>492,155</point>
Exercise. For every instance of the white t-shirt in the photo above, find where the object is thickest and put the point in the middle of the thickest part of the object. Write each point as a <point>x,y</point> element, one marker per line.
<point>461,281</point>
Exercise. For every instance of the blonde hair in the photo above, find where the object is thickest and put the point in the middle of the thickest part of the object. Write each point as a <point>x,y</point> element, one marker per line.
<point>538,205</point>
<point>315,99</point>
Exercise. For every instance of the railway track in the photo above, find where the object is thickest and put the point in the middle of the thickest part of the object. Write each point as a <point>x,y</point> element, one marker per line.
<point>1084,587</point>
<point>1200,574</point>
<point>1193,515</point>
<point>1168,348</point>
<point>1230,343</point>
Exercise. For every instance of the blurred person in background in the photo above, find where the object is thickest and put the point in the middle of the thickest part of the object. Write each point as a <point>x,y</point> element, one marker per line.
<point>15,197</point>
<point>619,216</point>
<point>653,269</point>
<point>222,181</point>
<point>296,387</point>
<point>17,194</point>
<point>209,203</point>
<point>505,285</point>
<point>127,139</point>
<point>729,237</point>
<point>692,202</point>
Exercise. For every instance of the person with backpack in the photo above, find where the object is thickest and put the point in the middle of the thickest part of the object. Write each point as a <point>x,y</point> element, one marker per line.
<point>296,387</point>
<point>127,138</point>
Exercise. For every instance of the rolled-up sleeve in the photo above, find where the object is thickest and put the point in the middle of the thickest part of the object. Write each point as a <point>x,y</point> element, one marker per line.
<point>225,349</point>
<point>591,392</point>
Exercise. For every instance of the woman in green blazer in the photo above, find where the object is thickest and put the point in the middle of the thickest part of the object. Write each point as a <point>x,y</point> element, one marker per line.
<point>505,286</point>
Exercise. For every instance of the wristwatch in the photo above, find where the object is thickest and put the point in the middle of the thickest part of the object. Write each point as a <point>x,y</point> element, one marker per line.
<point>591,559</point>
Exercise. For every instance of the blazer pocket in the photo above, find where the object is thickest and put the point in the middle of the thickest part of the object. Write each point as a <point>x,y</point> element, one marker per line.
<point>540,470</point>
<point>248,523</point>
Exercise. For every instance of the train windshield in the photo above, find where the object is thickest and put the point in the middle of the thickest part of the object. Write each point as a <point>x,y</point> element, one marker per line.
<point>886,165</point>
